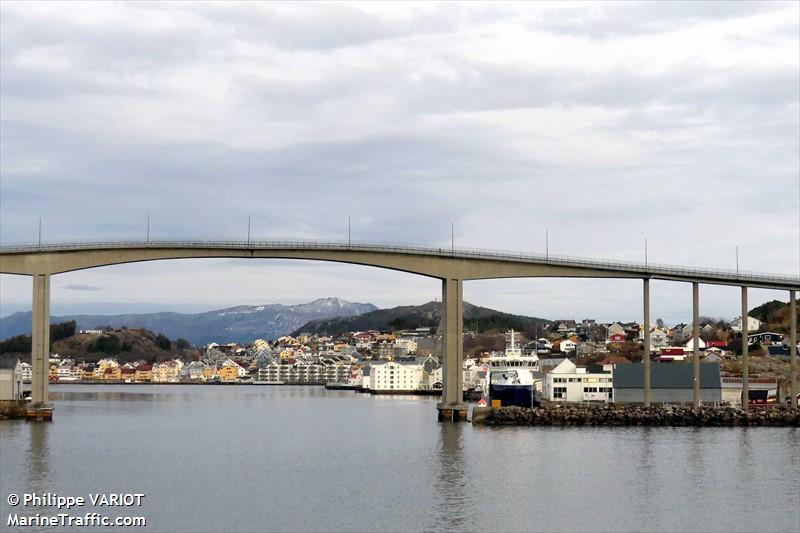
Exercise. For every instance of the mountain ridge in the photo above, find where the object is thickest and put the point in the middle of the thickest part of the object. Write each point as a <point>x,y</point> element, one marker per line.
<point>242,323</point>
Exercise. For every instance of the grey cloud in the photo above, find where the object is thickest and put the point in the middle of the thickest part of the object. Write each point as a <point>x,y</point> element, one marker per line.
<point>432,150</point>
<point>627,19</point>
<point>83,288</point>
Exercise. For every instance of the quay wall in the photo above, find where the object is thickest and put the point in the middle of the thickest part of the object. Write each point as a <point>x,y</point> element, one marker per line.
<point>631,415</point>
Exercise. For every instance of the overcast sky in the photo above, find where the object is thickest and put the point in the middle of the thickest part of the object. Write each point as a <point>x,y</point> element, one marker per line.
<point>604,123</point>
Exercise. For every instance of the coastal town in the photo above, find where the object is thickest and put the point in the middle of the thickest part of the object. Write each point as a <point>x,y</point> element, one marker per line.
<point>576,361</point>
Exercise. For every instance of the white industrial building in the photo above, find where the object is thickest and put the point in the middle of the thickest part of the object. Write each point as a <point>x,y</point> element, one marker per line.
<point>10,378</point>
<point>570,383</point>
<point>395,376</point>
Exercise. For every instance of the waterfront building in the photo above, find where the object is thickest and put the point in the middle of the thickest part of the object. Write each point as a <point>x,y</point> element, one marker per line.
<point>112,373</point>
<point>128,375</point>
<point>229,371</point>
<point>102,365</point>
<point>395,376</point>
<point>570,383</point>
<point>670,383</point>
<point>144,374</point>
<point>88,372</point>
<point>167,371</point>
<point>307,373</point>
<point>194,371</point>
<point>210,371</point>
<point>10,378</point>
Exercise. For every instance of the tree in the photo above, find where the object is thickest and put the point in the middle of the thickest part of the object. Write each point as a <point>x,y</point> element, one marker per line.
<point>660,322</point>
<point>182,344</point>
<point>163,342</point>
<point>108,344</point>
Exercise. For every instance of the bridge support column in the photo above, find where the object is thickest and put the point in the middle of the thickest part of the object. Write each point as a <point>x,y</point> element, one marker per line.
<point>452,407</point>
<point>696,341</point>
<point>745,361</point>
<point>646,354</point>
<point>793,347</point>
<point>40,408</point>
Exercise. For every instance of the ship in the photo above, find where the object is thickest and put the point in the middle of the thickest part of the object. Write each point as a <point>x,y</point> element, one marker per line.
<point>512,376</point>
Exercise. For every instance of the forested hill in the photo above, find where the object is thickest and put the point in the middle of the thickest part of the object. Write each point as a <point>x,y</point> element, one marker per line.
<point>426,315</point>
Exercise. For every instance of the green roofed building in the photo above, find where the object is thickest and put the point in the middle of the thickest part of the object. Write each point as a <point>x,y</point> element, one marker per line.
<point>669,383</point>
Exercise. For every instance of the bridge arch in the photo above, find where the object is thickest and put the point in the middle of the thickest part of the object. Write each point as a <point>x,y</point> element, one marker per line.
<point>451,266</point>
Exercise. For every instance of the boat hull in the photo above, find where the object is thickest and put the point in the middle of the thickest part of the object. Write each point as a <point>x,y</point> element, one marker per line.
<point>519,395</point>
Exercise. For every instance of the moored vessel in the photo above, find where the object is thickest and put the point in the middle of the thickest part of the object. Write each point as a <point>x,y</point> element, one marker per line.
<point>511,376</point>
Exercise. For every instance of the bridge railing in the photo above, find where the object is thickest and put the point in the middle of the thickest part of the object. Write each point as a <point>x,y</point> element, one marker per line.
<point>479,253</point>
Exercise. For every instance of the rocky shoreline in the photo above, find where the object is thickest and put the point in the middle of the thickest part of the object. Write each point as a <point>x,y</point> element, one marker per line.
<point>635,415</point>
<point>10,410</point>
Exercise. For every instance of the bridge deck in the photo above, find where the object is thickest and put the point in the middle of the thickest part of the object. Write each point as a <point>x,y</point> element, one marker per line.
<point>627,269</point>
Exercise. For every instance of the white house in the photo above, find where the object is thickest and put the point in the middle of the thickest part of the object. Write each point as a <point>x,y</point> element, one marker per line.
<point>567,346</point>
<point>569,383</point>
<point>658,339</point>
<point>407,343</point>
<point>395,376</point>
<point>752,324</point>
<point>689,346</point>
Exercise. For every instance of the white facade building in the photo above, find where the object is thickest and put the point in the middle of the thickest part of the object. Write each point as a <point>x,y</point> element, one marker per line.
<point>567,346</point>
<point>568,383</point>
<point>394,376</point>
<point>752,324</point>
<point>27,372</point>
<point>658,339</point>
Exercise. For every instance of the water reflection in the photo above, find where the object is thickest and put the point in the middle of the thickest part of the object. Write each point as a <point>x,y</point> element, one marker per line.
<point>451,511</point>
<point>39,457</point>
<point>650,487</point>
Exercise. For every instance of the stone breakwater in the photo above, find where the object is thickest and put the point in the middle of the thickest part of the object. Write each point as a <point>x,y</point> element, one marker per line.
<point>630,415</point>
<point>10,410</point>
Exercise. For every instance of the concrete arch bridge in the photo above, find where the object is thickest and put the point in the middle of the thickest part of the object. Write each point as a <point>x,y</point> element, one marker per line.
<point>452,266</point>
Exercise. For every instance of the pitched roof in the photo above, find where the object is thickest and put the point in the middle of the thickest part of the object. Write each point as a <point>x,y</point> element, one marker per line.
<point>614,359</point>
<point>8,362</point>
<point>667,376</point>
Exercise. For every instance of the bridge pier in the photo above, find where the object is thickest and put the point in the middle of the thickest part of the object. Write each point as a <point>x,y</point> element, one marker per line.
<point>452,407</point>
<point>40,408</point>
<point>646,355</point>
<point>793,347</point>
<point>696,341</point>
<point>745,361</point>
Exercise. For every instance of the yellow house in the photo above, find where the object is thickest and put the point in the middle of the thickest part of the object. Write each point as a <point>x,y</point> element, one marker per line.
<point>228,373</point>
<point>87,373</point>
<point>144,374</point>
<point>112,373</point>
<point>166,372</point>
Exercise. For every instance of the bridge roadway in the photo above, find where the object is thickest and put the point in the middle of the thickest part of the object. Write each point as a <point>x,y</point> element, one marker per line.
<point>451,265</point>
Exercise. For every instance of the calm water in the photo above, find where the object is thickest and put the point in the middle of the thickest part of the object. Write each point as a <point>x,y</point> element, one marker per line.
<point>252,458</point>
